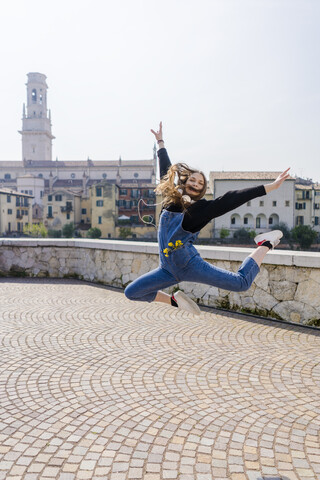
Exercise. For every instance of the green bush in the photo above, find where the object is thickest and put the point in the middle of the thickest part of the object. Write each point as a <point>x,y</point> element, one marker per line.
<point>68,230</point>
<point>54,233</point>
<point>224,233</point>
<point>94,232</point>
<point>125,232</point>
<point>244,235</point>
<point>35,230</point>
<point>304,235</point>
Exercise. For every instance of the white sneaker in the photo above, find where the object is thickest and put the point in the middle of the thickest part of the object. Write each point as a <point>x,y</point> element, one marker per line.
<point>273,237</point>
<point>185,303</point>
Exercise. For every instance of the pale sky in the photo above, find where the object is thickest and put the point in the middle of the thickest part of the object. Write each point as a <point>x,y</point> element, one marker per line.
<point>236,83</point>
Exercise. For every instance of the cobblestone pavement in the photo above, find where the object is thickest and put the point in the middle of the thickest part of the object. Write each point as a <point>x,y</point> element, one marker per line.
<point>93,386</point>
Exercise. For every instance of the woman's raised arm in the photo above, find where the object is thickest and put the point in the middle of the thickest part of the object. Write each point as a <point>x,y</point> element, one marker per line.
<point>159,136</point>
<point>278,181</point>
<point>164,160</point>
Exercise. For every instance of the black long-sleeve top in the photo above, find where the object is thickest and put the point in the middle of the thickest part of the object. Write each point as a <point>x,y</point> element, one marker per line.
<point>202,211</point>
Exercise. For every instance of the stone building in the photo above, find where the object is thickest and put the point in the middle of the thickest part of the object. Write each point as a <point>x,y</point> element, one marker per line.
<point>259,214</point>
<point>78,175</point>
<point>61,207</point>
<point>307,205</point>
<point>43,178</point>
<point>15,211</point>
<point>103,208</point>
<point>31,185</point>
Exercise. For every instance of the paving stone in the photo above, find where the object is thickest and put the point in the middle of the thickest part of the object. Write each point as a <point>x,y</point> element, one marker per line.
<point>97,387</point>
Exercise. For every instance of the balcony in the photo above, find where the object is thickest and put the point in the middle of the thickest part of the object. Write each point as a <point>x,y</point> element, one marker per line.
<point>301,196</point>
<point>66,208</point>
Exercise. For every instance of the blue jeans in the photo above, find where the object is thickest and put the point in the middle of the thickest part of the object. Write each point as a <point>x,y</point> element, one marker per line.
<point>180,262</point>
<point>145,288</point>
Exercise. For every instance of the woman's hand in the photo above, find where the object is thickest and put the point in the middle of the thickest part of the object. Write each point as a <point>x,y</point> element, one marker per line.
<point>278,181</point>
<point>158,134</point>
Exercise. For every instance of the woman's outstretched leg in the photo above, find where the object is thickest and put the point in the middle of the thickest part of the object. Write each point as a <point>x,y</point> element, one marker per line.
<point>180,300</point>
<point>200,271</point>
<point>147,288</point>
<point>163,297</point>
<point>259,254</point>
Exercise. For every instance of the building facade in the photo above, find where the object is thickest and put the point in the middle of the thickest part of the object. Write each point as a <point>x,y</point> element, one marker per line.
<point>76,175</point>
<point>45,179</point>
<point>307,205</point>
<point>61,207</point>
<point>260,214</point>
<point>15,211</point>
<point>104,211</point>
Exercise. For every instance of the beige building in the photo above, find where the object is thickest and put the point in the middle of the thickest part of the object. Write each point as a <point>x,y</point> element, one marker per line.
<point>259,214</point>
<point>15,211</point>
<point>61,207</point>
<point>86,215</point>
<point>40,173</point>
<point>65,191</point>
<point>103,197</point>
<point>307,205</point>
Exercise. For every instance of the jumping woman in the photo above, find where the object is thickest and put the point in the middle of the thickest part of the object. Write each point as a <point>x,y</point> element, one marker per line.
<point>185,212</point>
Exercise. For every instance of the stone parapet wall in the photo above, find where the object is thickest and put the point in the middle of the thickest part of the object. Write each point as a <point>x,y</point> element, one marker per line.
<point>287,287</point>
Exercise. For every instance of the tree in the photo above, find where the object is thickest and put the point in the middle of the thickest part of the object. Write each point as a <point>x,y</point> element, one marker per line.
<point>224,233</point>
<point>68,230</point>
<point>35,230</point>
<point>94,232</point>
<point>54,233</point>
<point>304,235</point>
<point>125,232</point>
<point>244,235</point>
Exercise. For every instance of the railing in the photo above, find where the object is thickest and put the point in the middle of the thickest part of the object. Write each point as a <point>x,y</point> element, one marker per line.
<point>302,197</point>
<point>66,208</point>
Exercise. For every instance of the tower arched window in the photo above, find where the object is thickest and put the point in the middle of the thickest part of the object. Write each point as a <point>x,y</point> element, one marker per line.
<point>40,99</point>
<point>34,95</point>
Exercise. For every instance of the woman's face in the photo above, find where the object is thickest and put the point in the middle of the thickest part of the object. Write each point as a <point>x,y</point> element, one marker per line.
<point>194,185</point>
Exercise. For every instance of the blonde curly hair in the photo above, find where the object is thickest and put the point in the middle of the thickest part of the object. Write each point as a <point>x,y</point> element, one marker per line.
<point>174,192</point>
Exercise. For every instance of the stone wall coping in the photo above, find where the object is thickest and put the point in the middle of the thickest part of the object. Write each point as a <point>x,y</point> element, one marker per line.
<point>277,257</point>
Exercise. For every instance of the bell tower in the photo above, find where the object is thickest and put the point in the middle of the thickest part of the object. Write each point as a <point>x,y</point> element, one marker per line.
<point>36,121</point>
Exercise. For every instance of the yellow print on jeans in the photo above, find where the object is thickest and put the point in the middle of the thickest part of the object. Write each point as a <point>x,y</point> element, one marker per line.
<point>172,247</point>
